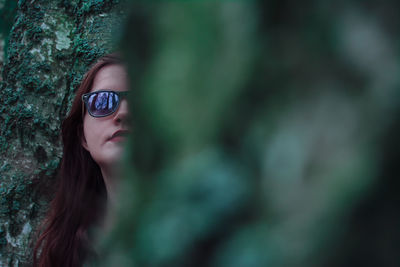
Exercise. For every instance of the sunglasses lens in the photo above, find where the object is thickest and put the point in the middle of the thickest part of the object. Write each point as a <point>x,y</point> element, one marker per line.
<point>102,103</point>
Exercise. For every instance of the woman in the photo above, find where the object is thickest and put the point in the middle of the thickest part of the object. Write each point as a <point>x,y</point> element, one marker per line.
<point>92,135</point>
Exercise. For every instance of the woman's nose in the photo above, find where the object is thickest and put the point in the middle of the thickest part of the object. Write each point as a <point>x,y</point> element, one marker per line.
<point>122,113</point>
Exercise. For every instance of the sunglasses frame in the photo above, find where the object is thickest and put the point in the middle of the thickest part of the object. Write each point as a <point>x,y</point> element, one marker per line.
<point>120,94</point>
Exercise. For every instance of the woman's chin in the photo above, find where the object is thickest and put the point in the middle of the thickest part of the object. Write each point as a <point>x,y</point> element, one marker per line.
<point>112,156</point>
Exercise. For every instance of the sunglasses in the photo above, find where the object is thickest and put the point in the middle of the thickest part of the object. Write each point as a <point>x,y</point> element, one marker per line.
<point>103,103</point>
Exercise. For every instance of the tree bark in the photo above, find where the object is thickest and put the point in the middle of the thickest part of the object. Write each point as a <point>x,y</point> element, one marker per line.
<point>51,45</point>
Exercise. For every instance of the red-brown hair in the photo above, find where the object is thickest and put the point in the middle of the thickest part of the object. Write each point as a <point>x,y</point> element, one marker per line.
<point>81,193</point>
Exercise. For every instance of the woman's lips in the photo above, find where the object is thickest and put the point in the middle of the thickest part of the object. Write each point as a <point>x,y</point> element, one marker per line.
<point>117,139</point>
<point>119,136</point>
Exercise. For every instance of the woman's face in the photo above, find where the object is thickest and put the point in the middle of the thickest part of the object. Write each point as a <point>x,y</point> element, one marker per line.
<point>104,136</point>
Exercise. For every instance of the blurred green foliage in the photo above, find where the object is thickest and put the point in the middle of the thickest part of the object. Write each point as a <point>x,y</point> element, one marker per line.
<point>265,134</point>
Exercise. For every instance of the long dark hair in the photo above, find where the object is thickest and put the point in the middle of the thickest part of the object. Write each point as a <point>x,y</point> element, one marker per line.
<point>81,193</point>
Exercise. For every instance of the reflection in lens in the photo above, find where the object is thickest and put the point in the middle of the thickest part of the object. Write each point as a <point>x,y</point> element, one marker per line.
<point>102,103</point>
<point>110,102</point>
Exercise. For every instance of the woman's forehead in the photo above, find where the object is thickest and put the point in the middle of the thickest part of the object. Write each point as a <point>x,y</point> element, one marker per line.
<point>113,77</point>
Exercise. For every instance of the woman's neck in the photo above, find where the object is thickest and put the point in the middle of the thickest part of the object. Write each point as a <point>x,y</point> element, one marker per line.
<point>110,181</point>
<point>110,178</point>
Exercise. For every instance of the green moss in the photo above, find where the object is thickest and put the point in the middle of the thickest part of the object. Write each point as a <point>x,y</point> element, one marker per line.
<point>3,144</point>
<point>62,55</point>
<point>3,240</point>
<point>21,4</point>
<point>6,167</point>
<point>42,66</point>
<point>20,189</point>
<point>53,164</point>
<point>4,207</point>
<point>15,206</point>
<point>97,6</point>
<point>35,34</point>
<point>69,6</point>
<point>86,51</point>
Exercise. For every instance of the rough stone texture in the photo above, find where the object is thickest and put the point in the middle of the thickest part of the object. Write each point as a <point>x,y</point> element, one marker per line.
<point>51,44</point>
